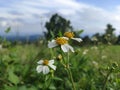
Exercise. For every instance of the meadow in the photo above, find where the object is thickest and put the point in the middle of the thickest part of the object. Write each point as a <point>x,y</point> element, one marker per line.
<point>93,67</point>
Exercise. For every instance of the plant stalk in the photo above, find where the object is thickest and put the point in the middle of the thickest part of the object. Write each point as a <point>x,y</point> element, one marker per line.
<point>70,73</point>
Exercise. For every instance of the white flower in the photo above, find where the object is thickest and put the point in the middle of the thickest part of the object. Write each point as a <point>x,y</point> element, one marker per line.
<point>94,48</point>
<point>85,51</point>
<point>63,42</point>
<point>94,39</point>
<point>44,66</point>
<point>95,64</point>
<point>103,57</point>
<point>71,36</point>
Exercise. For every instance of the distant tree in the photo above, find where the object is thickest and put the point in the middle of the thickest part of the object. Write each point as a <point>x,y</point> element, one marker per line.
<point>57,26</point>
<point>109,36</point>
<point>86,40</point>
<point>118,40</point>
<point>96,38</point>
<point>109,29</point>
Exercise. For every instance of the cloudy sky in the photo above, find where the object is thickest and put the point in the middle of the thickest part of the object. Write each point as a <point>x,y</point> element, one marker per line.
<point>27,17</point>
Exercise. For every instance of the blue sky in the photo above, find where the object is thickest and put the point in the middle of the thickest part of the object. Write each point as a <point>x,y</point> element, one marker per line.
<point>29,16</point>
<point>106,4</point>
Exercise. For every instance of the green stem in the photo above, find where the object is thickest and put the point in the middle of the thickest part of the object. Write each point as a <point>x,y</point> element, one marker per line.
<point>51,51</point>
<point>71,78</point>
<point>45,81</point>
<point>106,79</point>
<point>69,72</point>
<point>50,80</point>
<point>44,86</point>
<point>68,58</point>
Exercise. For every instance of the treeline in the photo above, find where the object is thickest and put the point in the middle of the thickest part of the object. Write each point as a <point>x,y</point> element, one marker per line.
<point>109,37</point>
<point>58,25</point>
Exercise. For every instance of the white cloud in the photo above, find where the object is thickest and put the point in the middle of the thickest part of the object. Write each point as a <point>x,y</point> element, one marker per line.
<point>4,24</point>
<point>82,16</point>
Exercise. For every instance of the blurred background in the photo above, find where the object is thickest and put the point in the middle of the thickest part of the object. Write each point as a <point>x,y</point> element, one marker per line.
<point>27,18</point>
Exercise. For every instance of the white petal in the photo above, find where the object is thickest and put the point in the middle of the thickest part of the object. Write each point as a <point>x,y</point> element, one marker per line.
<point>40,62</point>
<point>51,61</point>
<point>39,68</point>
<point>65,38</point>
<point>66,48</point>
<point>45,70</point>
<point>71,48</point>
<point>52,66</point>
<point>77,39</point>
<point>52,44</point>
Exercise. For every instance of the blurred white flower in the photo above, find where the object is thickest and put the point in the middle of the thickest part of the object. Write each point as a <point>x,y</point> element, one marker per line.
<point>94,47</point>
<point>108,35</point>
<point>71,36</point>
<point>41,41</point>
<point>44,66</point>
<point>95,63</point>
<point>103,57</point>
<point>85,51</point>
<point>94,39</point>
<point>63,42</point>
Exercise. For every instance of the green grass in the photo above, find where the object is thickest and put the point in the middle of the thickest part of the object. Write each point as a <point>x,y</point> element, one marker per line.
<point>18,68</point>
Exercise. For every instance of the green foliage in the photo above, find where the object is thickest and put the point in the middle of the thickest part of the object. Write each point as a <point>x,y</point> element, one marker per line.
<point>18,64</point>
<point>13,78</point>
<point>109,35</point>
<point>78,32</point>
<point>57,26</point>
<point>86,40</point>
<point>118,40</point>
<point>8,30</point>
<point>92,67</point>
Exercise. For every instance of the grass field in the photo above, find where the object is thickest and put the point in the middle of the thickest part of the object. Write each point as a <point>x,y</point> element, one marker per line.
<point>92,68</point>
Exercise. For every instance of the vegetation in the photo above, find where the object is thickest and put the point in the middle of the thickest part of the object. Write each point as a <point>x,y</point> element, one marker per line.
<point>89,65</point>
<point>93,64</point>
<point>57,26</point>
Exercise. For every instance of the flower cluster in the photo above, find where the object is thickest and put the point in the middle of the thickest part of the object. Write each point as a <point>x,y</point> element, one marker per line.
<point>63,42</point>
<point>45,65</point>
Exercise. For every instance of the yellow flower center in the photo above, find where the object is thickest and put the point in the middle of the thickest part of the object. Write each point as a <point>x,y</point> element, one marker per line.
<point>69,34</point>
<point>45,62</point>
<point>61,41</point>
